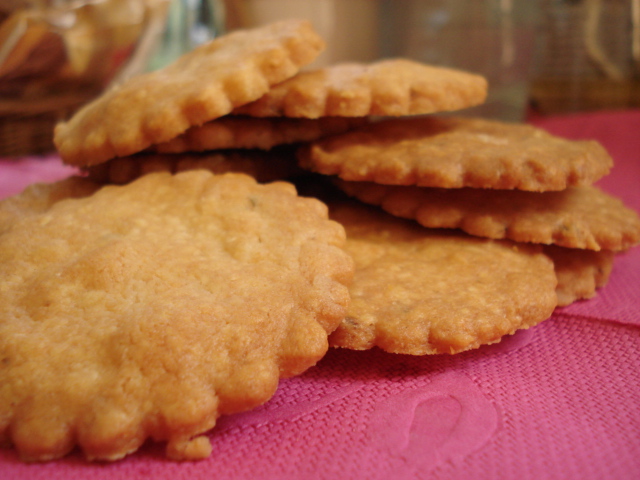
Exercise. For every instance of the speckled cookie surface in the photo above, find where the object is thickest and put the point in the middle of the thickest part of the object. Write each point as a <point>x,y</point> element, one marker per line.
<point>148,310</point>
<point>578,217</point>
<point>39,197</point>
<point>388,87</point>
<point>455,152</point>
<point>420,291</point>
<point>201,85</point>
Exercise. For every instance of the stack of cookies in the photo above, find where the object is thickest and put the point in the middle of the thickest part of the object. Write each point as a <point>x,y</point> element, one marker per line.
<point>181,278</point>
<point>510,184</point>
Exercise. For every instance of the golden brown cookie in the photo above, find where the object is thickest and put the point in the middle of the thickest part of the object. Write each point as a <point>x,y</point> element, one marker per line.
<point>457,152</point>
<point>146,311</point>
<point>39,197</point>
<point>265,166</point>
<point>578,217</point>
<point>580,272</point>
<point>203,84</point>
<point>232,132</point>
<point>387,87</point>
<point>420,291</point>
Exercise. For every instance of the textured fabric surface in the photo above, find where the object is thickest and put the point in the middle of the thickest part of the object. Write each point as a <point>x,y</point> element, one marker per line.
<point>558,401</point>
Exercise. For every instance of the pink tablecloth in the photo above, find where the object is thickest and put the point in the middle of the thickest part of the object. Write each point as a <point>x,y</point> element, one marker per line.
<point>560,401</point>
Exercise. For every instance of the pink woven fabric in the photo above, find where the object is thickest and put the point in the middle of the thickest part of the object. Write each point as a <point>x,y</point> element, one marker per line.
<point>16,174</point>
<point>559,401</point>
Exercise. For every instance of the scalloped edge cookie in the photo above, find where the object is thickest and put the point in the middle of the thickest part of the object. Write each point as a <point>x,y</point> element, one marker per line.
<point>146,311</point>
<point>580,272</point>
<point>241,132</point>
<point>278,163</point>
<point>578,217</point>
<point>456,152</point>
<point>421,291</point>
<point>206,83</point>
<point>391,87</point>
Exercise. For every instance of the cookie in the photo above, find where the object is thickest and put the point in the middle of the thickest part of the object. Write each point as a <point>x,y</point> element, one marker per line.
<point>387,87</point>
<point>455,152</point>
<point>39,197</point>
<point>145,311</point>
<point>419,291</point>
<point>265,166</point>
<point>578,217</point>
<point>204,84</point>
<point>580,272</point>
<point>233,132</point>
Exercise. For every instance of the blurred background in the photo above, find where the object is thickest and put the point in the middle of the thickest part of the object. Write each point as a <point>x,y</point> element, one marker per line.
<point>541,57</point>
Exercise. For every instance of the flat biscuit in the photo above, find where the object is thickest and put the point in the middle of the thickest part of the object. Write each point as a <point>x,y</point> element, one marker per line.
<point>39,197</point>
<point>265,166</point>
<point>450,152</point>
<point>235,131</point>
<point>203,84</point>
<point>148,310</point>
<point>387,87</point>
<point>419,291</point>
<point>580,272</point>
<point>578,217</point>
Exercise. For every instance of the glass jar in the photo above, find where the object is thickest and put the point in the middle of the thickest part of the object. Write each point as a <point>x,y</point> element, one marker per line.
<point>56,55</point>
<point>494,38</point>
<point>588,57</point>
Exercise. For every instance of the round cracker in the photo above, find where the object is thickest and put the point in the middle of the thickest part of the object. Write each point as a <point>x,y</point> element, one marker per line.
<point>387,87</point>
<point>419,291</point>
<point>203,84</point>
<point>234,132</point>
<point>148,310</point>
<point>580,272</point>
<point>455,152</point>
<point>265,166</point>
<point>39,197</point>
<point>578,217</point>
